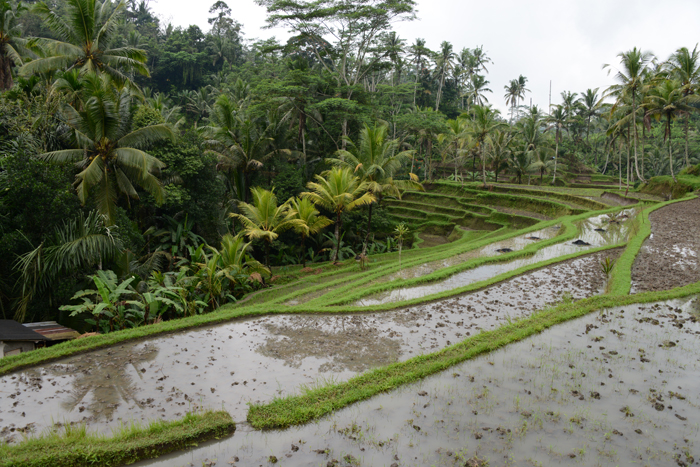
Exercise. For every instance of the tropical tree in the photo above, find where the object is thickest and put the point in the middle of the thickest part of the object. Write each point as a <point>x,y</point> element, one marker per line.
<point>477,88</point>
<point>338,191</point>
<point>499,149</point>
<point>375,159</point>
<point>557,120</point>
<point>633,66</point>
<point>484,121</point>
<point>418,52</point>
<point>110,155</point>
<point>88,40</point>
<point>685,67</point>
<point>264,219</point>
<point>511,96</point>
<point>667,101</point>
<point>444,63</point>
<point>589,106</point>
<point>308,221</point>
<point>12,46</point>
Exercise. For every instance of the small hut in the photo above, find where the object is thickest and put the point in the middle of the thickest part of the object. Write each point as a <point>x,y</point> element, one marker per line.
<point>15,338</point>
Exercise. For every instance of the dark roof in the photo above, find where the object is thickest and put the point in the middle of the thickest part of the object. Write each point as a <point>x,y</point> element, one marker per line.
<point>53,330</point>
<point>11,330</point>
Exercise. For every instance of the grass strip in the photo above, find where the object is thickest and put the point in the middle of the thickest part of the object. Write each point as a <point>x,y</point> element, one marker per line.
<point>317,402</point>
<point>75,447</point>
<point>621,277</point>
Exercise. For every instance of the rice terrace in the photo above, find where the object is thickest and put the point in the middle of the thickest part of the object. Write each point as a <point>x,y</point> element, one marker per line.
<point>335,251</point>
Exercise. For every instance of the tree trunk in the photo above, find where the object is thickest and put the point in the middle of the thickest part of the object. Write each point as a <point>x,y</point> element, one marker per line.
<point>628,154</point>
<point>5,73</point>
<point>369,227</point>
<point>303,252</point>
<point>670,152</point>
<point>644,140</point>
<point>634,122</point>
<point>687,117</point>
<point>556,156</point>
<point>607,158</point>
<point>337,239</point>
<point>483,165</point>
<point>267,255</point>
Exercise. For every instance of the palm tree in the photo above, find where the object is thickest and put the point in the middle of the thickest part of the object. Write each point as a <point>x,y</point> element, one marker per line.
<point>520,162</point>
<point>589,107</point>
<point>375,160</point>
<point>522,82</point>
<point>557,120</point>
<point>667,100</point>
<point>511,96</point>
<point>81,242</point>
<point>309,222</point>
<point>499,150</point>
<point>12,46</point>
<point>264,219</point>
<point>418,52</point>
<point>484,120</point>
<point>88,38</point>
<point>444,62</point>
<point>338,191</point>
<point>477,88</point>
<point>630,77</point>
<point>109,154</point>
<point>685,67</point>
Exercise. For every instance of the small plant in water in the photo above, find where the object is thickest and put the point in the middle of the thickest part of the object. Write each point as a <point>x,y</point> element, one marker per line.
<point>607,266</point>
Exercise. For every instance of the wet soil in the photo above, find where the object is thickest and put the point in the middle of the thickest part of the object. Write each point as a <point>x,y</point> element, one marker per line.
<point>669,257</point>
<point>617,387</point>
<point>259,359</point>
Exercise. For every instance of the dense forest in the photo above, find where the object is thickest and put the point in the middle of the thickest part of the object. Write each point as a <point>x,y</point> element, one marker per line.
<point>149,172</point>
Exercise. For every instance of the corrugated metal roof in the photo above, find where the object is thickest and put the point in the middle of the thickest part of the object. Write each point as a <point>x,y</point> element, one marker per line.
<point>11,330</point>
<point>52,330</point>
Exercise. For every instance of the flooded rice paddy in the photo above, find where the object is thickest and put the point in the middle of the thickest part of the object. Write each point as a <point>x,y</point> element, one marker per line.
<point>594,232</point>
<point>258,359</point>
<point>617,387</point>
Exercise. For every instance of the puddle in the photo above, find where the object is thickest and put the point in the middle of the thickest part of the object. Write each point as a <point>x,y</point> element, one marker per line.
<point>611,388</point>
<point>259,359</point>
<point>613,233</point>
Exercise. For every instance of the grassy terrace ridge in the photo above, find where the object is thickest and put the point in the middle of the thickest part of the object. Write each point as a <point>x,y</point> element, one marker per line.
<point>75,447</point>
<point>317,402</point>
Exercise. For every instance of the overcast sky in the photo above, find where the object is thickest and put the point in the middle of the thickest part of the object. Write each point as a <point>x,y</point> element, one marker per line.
<point>565,41</point>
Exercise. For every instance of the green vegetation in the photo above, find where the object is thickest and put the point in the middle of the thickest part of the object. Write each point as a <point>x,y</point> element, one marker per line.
<point>74,446</point>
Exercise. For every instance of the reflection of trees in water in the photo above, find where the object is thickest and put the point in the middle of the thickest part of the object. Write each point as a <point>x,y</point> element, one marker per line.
<point>106,376</point>
<point>348,342</point>
<point>616,231</point>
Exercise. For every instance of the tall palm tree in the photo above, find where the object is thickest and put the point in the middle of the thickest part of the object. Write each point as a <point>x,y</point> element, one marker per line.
<point>477,89</point>
<point>499,144</point>
<point>89,41</point>
<point>12,46</point>
<point>484,120</point>
<point>309,221</point>
<point>338,191</point>
<point>557,120</point>
<point>589,106</point>
<point>375,159</point>
<point>633,65</point>
<point>444,63</point>
<point>110,155</point>
<point>667,100</point>
<point>418,52</point>
<point>264,219</point>
<point>685,67</point>
<point>522,82</point>
<point>511,96</point>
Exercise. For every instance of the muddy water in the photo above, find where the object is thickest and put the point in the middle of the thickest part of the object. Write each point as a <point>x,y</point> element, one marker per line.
<point>611,234</point>
<point>611,388</point>
<point>255,360</point>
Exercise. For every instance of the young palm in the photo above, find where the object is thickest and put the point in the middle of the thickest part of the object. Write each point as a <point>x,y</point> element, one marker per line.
<point>338,191</point>
<point>375,160</point>
<point>89,41</point>
<point>264,219</point>
<point>109,154</point>
<point>12,46</point>
<point>667,100</point>
<point>309,222</point>
<point>499,144</point>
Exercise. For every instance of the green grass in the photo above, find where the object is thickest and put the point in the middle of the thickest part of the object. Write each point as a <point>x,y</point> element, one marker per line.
<point>74,446</point>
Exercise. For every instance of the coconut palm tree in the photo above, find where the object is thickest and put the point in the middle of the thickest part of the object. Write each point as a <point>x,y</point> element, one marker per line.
<point>89,41</point>
<point>557,120</point>
<point>477,89</point>
<point>511,96</point>
<point>339,190</point>
<point>685,67</point>
<point>309,222</point>
<point>589,106</point>
<point>418,52</point>
<point>264,219</point>
<point>633,66</point>
<point>375,159</point>
<point>110,155</point>
<point>667,100</point>
<point>522,82</point>
<point>484,120</point>
<point>444,63</point>
<point>12,46</point>
<point>499,144</point>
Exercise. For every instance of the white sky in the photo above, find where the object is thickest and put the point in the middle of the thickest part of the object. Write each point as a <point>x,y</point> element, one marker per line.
<point>565,41</point>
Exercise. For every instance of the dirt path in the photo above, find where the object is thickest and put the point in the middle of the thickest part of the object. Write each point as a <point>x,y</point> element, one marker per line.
<point>669,257</point>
